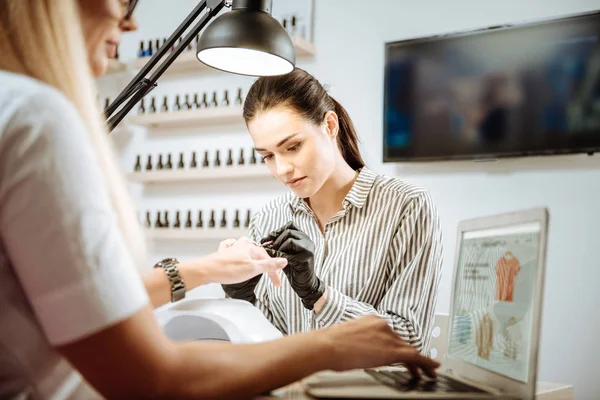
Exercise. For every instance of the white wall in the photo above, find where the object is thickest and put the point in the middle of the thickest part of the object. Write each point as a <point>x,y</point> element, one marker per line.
<point>350,49</point>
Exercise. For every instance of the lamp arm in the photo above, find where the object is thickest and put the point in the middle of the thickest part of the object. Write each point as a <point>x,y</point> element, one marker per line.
<point>140,85</point>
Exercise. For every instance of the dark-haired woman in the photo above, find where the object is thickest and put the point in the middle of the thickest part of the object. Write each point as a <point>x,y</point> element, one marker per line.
<point>373,242</point>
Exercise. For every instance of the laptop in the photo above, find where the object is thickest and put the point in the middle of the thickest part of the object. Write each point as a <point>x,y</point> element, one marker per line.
<point>494,325</point>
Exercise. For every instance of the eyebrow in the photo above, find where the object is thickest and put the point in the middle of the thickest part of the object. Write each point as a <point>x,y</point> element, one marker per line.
<point>281,143</point>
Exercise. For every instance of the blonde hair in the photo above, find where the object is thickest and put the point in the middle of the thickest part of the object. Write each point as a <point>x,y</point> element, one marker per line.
<point>44,39</point>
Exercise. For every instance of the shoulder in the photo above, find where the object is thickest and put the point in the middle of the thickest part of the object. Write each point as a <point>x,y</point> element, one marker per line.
<point>28,103</point>
<point>400,193</point>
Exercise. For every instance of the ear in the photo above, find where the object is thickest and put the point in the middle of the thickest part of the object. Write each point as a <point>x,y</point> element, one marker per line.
<point>332,124</point>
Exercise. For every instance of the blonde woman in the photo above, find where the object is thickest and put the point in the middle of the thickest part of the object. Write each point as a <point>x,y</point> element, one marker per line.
<point>75,315</point>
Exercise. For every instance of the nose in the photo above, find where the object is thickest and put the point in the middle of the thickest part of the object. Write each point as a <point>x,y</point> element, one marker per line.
<point>284,167</point>
<point>128,25</point>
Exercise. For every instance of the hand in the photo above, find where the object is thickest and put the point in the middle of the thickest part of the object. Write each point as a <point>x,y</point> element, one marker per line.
<point>245,262</point>
<point>369,342</point>
<point>299,250</point>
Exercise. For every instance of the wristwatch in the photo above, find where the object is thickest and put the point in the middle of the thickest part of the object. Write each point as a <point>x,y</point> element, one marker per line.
<point>169,265</point>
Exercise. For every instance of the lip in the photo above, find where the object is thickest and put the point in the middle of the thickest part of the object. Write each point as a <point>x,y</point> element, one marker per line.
<point>295,182</point>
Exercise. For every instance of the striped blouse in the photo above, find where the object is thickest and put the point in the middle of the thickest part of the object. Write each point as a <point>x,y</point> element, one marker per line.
<point>380,254</point>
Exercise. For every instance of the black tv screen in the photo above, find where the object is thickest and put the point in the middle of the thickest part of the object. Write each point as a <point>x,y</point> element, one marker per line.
<point>501,91</point>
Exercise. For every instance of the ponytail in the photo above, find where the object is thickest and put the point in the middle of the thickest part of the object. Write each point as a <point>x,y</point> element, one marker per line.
<point>347,137</point>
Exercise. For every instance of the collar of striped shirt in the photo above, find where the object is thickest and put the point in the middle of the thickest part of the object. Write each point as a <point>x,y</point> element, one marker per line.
<point>356,196</point>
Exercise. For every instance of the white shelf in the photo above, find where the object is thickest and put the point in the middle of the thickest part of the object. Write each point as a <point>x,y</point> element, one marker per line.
<point>303,47</point>
<point>190,118</point>
<point>188,62</point>
<point>217,234</point>
<point>201,174</point>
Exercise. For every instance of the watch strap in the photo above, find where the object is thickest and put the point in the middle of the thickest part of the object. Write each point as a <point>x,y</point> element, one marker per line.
<point>169,266</point>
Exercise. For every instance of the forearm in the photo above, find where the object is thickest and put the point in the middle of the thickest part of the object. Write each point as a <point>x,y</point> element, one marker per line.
<point>335,307</point>
<point>194,273</point>
<point>225,371</point>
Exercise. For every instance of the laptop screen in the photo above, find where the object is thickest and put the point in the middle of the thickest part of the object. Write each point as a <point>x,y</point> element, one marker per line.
<point>493,298</point>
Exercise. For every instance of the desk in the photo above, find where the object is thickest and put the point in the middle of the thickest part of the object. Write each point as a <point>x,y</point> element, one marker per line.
<point>545,391</point>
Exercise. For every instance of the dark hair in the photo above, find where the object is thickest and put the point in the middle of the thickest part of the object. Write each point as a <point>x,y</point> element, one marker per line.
<point>303,93</point>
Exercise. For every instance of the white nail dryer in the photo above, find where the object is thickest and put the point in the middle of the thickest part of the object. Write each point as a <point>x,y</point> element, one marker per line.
<point>228,320</point>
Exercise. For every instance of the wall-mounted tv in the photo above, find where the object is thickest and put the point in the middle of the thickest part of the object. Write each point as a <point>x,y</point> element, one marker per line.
<point>501,91</point>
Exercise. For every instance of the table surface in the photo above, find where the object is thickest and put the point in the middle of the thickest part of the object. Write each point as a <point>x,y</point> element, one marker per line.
<point>545,391</point>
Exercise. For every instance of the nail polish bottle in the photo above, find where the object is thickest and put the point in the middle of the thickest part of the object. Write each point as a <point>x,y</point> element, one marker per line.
<point>241,160</point>
<point>187,104</point>
<point>214,100</point>
<point>169,163</point>
<point>229,158</point>
<point>141,108</point>
<point>177,106</point>
<point>223,223</point>
<point>193,164</point>
<point>284,24</point>
<point>205,162</point>
<point>138,165</point>
<point>236,221</point>
<point>180,164</point>
<point>157,45</point>
<point>158,222</point>
<point>149,163</point>
<point>294,31</point>
<point>148,221</point>
<point>160,163</point>
<point>149,49</point>
<point>225,101</point>
<point>253,157</point>
<point>117,53</point>
<point>196,102</point>
<point>177,223</point>
<point>166,221</point>
<point>217,160</point>
<point>153,105</point>
<point>211,222</point>
<point>188,221</point>
<point>106,103</point>
<point>204,103</point>
<point>141,51</point>
<point>200,222</point>
<point>248,217</point>
<point>238,99</point>
<point>164,41</point>
<point>165,105</point>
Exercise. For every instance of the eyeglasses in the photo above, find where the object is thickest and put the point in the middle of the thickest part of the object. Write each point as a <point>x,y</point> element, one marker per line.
<point>128,7</point>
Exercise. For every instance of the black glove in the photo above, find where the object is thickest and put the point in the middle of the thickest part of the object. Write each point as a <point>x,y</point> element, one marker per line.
<point>273,235</point>
<point>299,250</point>
<point>243,290</point>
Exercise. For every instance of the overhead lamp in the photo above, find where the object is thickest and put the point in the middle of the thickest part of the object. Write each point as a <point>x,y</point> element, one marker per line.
<point>246,40</point>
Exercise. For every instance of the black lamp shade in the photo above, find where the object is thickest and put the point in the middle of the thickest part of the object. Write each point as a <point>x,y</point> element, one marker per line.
<point>247,42</point>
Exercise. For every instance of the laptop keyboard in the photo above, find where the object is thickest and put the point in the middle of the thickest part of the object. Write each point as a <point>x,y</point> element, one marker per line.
<point>404,382</point>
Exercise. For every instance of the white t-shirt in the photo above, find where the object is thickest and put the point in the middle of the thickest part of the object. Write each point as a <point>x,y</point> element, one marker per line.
<point>65,272</point>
